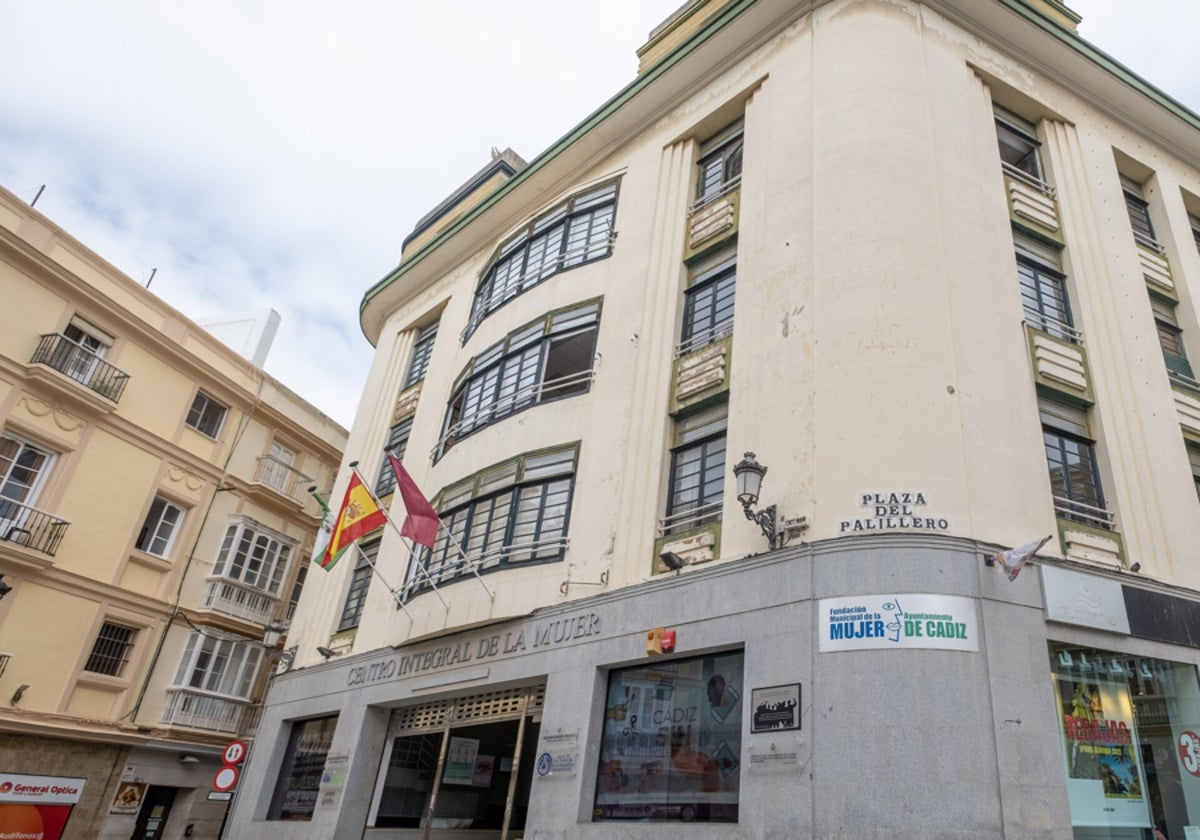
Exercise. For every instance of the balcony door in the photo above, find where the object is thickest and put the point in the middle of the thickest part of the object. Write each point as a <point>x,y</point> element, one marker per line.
<point>23,470</point>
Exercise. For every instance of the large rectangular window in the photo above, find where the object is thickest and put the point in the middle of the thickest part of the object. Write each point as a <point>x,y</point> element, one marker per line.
<point>575,232</point>
<point>1128,739</point>
<point>720,164</point>
<point>397,445</point>
<point>672,741</point>
<point>708,302</point>
<point>1170,338</point>
<point>1044,289</point>
<point>1019,147</point>
<point>1071,458</point>
<point>110,651</point>
<point>253,555</point>
<point>542,361</point>
<point>422,350</point>
<point>365,554</point>
<point>1139,213</point>
<point>299,779</point>
<point>694,496</point>
<point>224,666</point>
<point>510,514</point>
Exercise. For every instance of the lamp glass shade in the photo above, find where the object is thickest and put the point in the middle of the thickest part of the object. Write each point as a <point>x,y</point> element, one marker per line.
<point>749,475</point>
<point>272,633</point>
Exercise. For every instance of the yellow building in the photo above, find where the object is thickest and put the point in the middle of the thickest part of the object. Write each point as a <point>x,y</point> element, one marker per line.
<point>154,522</point>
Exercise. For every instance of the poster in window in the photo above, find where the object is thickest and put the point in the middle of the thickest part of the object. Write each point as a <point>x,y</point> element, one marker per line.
<point>672,741</point>
<point>128,798</point>
<point>1105,780</point>
<point>460,761</point>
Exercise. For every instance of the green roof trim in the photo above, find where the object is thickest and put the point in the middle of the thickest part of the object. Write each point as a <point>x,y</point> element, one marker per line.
<point>606,110</point>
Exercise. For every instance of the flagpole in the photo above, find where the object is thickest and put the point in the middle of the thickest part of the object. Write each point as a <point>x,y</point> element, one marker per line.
<point>411,553</point>
<point>391,589</point>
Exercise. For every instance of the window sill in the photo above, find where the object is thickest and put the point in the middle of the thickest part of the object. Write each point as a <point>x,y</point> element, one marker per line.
<point>150,561</point>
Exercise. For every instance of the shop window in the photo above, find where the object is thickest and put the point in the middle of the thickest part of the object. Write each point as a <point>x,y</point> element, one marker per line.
<point>708,303</point>
<point>360,580</point>
<point>1071,458</point>
<point>459,765</point>
<point>1139,213</point>
<point>1044,289</point>
<point>1128,727</point>
<point>110,651</point>
<point>422,350</point>
<point>672,741</point>
<point>206,415</point>
<point>162,523</point>
<point>295,796</point>
<point>511,514</point>
<point>578,231</point>
<point>543,361</point>
<point>1020,151</point>
<point>694,496</point>
<point>720,164</point>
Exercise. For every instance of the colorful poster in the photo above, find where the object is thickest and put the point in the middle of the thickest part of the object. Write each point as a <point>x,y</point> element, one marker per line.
<point>1105,780</point>
<point>128,799</point>
<point>672,741</point>
<point>460,761</point>
<point>485,768</point>
<point>897,620</point>
<point>37,806</point>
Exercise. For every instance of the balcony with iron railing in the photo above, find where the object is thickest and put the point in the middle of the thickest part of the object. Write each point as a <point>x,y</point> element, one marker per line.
<point>26,526</point>
<point>1029,180</point>
<point>692,517</point>
<point>1097,517</point>
<point>198,709</point>
<point>511,403</point>
<point>72,359</point>
<point>1053,327</point>
<point>281,477</point>
<point>239,600</point>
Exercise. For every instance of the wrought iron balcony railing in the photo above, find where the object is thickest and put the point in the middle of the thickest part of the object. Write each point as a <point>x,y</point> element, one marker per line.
<point>692,517</point>
<point>27,526</point>
<point>87,368</point>
<point>1086,514</point>
<point>284,478</point>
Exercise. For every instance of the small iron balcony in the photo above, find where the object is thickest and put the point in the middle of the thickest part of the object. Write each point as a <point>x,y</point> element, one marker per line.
<point>87,368</point>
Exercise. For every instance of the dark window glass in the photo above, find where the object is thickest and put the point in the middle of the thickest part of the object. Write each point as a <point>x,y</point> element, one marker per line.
<point>671,744</point>
<point>158,530</point>
<point>1018,145</point>
<point>111,649</point>
<point>720,164</point>
<point>422,350</point>
<point>397,444</point>
<point>697,481</point>
<point>360,580</point>
<point>206,415</point>
<point>1044,296</point>
<point>299,780</point>
<point>1074,478</point>
<point>708,307</point>
<point>1139,212</point>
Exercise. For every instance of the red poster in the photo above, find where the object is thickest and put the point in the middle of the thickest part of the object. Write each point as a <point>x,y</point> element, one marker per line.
<point>36,806</point>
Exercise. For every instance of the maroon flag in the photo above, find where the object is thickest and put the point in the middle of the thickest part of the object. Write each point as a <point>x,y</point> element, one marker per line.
<point>421,522</point>
<point>1013,560</point>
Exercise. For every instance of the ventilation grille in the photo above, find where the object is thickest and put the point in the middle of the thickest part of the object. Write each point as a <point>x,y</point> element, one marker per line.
<point>491,705</point>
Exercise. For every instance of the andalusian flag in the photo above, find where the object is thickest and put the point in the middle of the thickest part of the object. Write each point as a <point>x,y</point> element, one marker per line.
<point>325,531</point>
<point>359,516</point>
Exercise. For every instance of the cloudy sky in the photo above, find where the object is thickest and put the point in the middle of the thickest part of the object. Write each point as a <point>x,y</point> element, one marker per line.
<point>270,154</point>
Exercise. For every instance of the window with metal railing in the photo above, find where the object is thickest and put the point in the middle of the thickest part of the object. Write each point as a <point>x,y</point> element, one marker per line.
<point>365,554</point>
<point>1071,459</point>
<point>110,651</point>
<point>397,445</point>
<point>719,169</point>
<point>1139,214</point>
<point>1020,150</point>
<point>1044,290</point>
<point>708,303</point>
<point>1170,339</point>
<point>576,232</point>
<point>515,513</point>
<point>546,360</point>
<point>422,350</point>
<point>697,482</point>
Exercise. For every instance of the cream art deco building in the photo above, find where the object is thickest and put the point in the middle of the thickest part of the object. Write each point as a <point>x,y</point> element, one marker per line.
<point>154,521</point>
<point>933,262</point>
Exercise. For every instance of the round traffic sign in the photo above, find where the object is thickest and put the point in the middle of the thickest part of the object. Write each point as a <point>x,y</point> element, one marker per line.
<point>225,779</point>
<point>234,752</point>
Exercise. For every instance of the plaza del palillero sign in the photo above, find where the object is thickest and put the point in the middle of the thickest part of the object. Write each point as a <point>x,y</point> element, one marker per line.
<point>455,652</point>
<point>891,510</point>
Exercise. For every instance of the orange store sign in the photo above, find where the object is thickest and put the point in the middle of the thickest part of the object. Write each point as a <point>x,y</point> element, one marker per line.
<point>36,806</point>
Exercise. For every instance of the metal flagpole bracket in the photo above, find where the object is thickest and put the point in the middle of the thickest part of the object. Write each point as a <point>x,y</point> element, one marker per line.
<point>568,583</point>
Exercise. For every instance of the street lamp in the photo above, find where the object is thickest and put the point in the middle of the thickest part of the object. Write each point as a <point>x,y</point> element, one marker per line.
<point>749,475</point>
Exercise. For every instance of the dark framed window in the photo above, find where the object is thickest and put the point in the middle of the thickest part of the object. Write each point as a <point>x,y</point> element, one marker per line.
<point>110,651</point>
<point>1194,221</point>
<point>708,303</point>
<point>297,590</point>
<point>578,231</point>
<point>1071,458</point>
<point>206,415</point>
<point>1170,338</point>
<point>695,492</point>
<point>295,796</point>
<point>695,766</point>
<point>1019,147</point>
<point>546,360</point>
<point>508,515</point>
<point>163,521</point>
<point>360,580</point>
<point>720,164</point>
<point>397,444</point>
<point>1139,212</point>
<point>422,350</point>
<point>1044,290</point>
<point>1193,454</point>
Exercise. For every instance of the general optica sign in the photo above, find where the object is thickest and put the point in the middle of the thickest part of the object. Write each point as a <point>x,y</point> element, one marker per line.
<point>36,807</point>
<point>898,620</point>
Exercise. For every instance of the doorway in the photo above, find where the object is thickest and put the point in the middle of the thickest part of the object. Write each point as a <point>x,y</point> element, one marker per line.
<point>152,819</point>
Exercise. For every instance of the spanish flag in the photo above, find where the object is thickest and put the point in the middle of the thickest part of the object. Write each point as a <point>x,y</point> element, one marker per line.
<point>359,516</point>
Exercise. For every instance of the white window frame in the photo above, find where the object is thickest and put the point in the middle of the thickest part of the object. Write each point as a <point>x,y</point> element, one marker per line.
<point>272,561</point>
<point>207,660</point>
<point>154,524</point>
<point>202,403</point>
